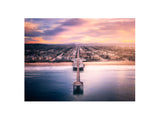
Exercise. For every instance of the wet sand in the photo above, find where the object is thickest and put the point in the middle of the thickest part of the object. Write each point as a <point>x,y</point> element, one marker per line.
<point>86,63</point>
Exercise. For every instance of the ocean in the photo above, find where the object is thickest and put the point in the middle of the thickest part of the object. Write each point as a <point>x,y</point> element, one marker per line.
<point>100,83</point>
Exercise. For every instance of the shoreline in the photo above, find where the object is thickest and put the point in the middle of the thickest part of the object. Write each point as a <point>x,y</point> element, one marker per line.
<point>86,63</point>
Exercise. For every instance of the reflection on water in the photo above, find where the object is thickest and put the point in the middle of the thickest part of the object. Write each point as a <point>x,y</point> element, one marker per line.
<point>100,83</point>
<point>77,90</point>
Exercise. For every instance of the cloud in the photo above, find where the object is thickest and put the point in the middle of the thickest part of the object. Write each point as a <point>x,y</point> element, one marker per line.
<point>80,30</point>
<point>73,22</point>
<point>112,29</point>
<point>32,33</point>
<point>32,30</point>
<point>30,26</point>
<point>53,32</point>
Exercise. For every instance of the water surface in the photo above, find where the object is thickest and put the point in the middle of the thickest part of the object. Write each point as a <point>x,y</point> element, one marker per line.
<point>100,83</point>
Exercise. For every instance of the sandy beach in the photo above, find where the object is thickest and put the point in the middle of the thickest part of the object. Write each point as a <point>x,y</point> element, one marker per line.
<point>86,63</point>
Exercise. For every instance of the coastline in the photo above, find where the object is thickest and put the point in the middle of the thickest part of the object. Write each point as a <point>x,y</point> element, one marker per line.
<point>86,63</point>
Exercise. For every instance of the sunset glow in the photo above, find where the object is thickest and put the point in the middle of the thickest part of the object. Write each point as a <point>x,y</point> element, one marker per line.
<point>76,30</point>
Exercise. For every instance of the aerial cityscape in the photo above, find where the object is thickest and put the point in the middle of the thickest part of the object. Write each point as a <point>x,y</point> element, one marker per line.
<point>78,59</point>
<point>66,53</point>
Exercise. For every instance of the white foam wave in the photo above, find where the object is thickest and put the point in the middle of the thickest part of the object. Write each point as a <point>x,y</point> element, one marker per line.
<point>48,68</point>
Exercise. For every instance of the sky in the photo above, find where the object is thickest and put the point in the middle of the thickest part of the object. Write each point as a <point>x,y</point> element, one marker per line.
<point>79,30</point>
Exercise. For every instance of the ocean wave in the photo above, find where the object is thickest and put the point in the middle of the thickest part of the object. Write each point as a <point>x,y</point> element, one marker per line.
<point>47,68</point>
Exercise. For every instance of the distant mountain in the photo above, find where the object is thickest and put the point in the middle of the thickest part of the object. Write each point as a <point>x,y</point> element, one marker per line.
<point>89,44</point>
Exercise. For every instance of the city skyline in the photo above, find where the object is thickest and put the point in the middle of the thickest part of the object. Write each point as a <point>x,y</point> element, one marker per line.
<point>79,30</point>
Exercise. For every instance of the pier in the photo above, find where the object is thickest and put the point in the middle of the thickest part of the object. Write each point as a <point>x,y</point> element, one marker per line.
<point>78,85</point>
